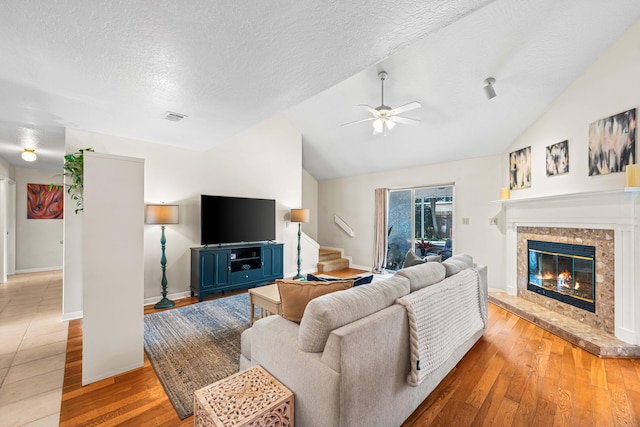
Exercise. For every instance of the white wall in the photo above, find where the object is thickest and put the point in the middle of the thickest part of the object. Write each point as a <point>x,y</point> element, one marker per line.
<point>477,183</point>
<point>264,161</point>
<point>38,241</point>
<point>609,86</point>
<point>310,201</point>
<point>6,169</point>
<point>113,205</point>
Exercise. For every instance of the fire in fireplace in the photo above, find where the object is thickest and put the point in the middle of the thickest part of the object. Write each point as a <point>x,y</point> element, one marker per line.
<point>565,272</point>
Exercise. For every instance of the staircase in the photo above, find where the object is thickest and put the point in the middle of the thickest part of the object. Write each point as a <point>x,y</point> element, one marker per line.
<point>331,260</point>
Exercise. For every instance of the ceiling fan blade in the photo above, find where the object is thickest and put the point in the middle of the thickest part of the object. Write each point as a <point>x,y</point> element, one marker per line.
<point>407,107</point>
<point>405,120</point>
<point>369,108</point>
<point>358,121</point>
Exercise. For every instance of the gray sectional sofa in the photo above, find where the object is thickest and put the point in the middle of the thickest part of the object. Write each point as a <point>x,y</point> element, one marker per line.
<point>349,360</point>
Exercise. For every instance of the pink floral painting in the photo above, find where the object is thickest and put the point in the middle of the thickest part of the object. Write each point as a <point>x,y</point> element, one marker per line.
<point>44,201</point>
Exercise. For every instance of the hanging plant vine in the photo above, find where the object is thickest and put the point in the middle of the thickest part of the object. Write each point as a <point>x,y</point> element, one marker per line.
<point>74,168</point>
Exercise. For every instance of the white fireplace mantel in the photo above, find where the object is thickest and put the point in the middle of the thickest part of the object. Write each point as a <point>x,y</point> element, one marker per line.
<point>616,210</point>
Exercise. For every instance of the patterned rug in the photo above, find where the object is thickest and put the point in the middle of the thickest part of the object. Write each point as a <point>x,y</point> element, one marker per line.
<point>194,346</point>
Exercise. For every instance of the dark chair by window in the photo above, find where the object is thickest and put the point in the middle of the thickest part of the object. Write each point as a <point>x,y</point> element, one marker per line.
<point>444,251</point>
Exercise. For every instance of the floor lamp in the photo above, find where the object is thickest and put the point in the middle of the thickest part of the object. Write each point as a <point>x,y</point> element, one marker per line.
<point>299,216</point>
<point>162,214</point>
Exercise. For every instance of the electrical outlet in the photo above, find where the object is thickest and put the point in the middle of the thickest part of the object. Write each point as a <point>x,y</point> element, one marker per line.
<point>465,220</point>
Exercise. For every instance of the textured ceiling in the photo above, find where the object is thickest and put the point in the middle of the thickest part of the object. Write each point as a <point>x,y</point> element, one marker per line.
<point>116,67</point>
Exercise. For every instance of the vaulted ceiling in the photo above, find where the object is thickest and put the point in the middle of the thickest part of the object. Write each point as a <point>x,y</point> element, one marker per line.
<point>118,67</point>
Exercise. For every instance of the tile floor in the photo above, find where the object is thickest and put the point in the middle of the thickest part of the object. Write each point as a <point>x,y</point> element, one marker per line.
<point>33,343</point>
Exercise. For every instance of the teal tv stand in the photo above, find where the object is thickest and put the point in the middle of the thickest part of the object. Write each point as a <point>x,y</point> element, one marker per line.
<point>228,267</point>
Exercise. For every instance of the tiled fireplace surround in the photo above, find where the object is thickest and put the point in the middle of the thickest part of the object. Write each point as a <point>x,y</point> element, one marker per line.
<point>607,220</point>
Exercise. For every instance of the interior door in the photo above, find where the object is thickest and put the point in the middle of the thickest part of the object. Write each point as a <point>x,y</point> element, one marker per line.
<point>3,230</point>
<point>11,227</point>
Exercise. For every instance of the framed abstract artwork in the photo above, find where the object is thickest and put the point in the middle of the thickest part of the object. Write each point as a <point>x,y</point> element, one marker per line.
<point>612,143</point>
<point>44,201</point>
<point>557,158</point>
<point>520,169</point>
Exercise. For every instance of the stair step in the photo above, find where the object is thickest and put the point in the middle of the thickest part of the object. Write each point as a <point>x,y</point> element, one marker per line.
<point>332,265</point>
<point>329,254</point>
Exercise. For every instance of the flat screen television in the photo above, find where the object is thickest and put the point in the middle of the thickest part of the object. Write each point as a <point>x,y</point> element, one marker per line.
<point>236,219</point>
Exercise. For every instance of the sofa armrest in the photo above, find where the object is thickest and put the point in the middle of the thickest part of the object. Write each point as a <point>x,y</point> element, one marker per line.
<point>484,290</point>
<point>274,346</point>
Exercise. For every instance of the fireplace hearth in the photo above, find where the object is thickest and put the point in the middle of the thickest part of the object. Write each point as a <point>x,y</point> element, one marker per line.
<point>564,272</point>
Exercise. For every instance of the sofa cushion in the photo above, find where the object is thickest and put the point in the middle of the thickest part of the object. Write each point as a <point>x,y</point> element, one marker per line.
<point>457,263</point>
<point>411,259</point>
<point>357,281</point>
<point>295,295</point>
<point>329,312</point>
<point>433,258</point>
<point>422,275</point>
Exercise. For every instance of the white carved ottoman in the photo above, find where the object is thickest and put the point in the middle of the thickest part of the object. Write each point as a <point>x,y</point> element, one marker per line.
<point>249,398</point>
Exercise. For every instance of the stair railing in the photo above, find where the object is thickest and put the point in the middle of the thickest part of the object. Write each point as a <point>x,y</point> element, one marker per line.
<point>345,227</point>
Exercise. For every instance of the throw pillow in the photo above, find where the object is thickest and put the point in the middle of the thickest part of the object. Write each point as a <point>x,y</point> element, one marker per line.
<point>357,281</point>
<point>411,259</point>
<point>295,295</point>
<point>433,258</point>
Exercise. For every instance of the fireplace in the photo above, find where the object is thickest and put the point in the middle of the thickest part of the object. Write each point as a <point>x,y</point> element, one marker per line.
<point>563,271</point>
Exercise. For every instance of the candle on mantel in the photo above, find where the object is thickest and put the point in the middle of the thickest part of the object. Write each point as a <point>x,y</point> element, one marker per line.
<point>633,175</point>
<point>505,195</point>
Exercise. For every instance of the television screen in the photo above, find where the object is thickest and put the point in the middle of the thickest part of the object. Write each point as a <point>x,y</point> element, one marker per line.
<point>236,219</point>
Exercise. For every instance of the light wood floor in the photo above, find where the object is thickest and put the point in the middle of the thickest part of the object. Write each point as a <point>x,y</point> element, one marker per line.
<point>516,375</point>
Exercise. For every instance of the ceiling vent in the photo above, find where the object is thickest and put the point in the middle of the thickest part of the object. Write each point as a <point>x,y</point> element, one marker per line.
<point>174,117</point>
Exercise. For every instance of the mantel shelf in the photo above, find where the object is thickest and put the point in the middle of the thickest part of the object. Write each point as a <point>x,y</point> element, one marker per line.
<point>568,195</point>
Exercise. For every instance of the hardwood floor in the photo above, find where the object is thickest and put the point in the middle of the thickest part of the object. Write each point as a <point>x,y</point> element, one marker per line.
<point>516,375</point>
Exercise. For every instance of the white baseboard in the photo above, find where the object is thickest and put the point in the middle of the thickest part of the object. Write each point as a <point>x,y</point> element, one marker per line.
<point>37,270</point>
<point>179,295</point>
<point>361,267</point>
<point>72,316</point>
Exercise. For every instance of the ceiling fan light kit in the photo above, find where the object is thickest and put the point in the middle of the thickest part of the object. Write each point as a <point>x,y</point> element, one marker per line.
<point>384,117</point>
<point>489,91</point>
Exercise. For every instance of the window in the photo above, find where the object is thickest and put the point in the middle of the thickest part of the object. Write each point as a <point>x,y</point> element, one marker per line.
<point>417,215</point>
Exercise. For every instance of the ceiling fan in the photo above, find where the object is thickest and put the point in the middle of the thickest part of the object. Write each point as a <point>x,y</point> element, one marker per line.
<point>384,117</point>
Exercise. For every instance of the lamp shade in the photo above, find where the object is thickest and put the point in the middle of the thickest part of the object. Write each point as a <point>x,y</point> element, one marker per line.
<point>161,214</point>
<point>299,215</point>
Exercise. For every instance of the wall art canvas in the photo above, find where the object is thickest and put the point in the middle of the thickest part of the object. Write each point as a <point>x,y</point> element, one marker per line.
<point>612,143</point>
<point>558,158</point>
<point>520,169</point>
<point>44,201</point>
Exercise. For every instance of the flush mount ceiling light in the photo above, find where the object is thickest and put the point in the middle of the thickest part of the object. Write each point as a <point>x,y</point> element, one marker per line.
<point>489,91</point>
<point>384,117</point>
<point>29,155</point>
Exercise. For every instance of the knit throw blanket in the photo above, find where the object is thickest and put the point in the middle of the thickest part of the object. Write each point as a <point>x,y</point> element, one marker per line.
<point>441,318</point>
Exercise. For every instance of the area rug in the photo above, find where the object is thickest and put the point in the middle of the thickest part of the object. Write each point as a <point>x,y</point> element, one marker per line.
<point>194,346</point>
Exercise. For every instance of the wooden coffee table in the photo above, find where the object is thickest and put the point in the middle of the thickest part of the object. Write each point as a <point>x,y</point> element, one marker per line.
<point>267,299</point>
